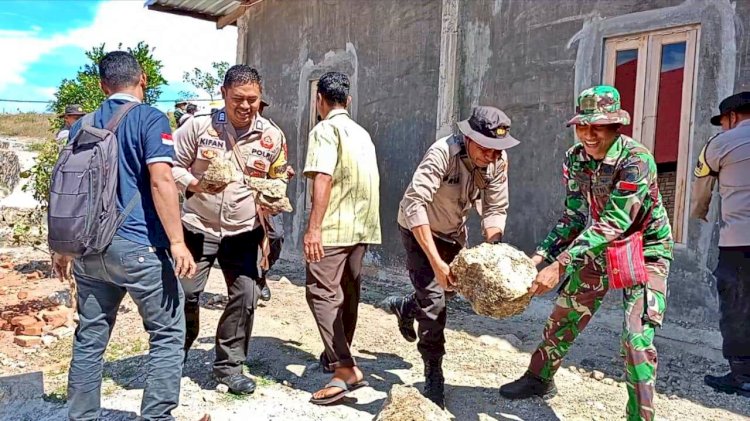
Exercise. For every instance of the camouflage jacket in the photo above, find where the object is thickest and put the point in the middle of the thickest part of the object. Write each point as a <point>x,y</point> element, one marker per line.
<point>621,194</point>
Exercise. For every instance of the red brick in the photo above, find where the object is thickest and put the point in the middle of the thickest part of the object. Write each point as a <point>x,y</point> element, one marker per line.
<point>56,319</point>
<point>32,330</point>
<point>23,295</point>
<point>6,265</point>
<point>33,276</point>
<point>23,320</point>
<point>27,341</point>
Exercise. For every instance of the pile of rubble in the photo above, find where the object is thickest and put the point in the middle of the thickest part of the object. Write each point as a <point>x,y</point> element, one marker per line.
<point>28,312</point>
<point>43,328</point>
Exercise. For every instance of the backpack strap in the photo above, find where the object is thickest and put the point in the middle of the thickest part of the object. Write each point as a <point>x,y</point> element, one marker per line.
<point>116,119</point>
<point>88,119</point>
<point>112,125</point>
<point>128,208</point>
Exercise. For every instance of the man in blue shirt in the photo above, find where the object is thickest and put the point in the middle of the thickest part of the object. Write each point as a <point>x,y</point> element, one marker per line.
<point>140,259</point>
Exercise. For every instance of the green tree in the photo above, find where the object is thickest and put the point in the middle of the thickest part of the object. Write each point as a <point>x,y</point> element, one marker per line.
<point>85,90</point>
<point>208,81</point>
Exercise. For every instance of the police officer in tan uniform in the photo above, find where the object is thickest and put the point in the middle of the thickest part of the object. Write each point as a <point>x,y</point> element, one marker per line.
<point>225,224</point>
<point>466,169</point>
<point>726,159</point>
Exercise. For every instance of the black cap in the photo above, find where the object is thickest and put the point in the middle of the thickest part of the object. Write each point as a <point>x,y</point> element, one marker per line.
<point>731,103</point>
<point>489,127</point>
<point>72,109</point>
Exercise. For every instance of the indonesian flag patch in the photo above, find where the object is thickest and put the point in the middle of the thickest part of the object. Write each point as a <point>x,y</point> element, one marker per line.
<point>627,186</point>
<point>166,139</point>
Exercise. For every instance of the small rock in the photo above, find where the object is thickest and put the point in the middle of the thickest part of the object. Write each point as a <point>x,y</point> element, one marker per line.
<point>48,340</point>
<point>222,388</point>
<point>6,265</point>
<point>21,364</point>
<point>673,397</point>
<point>407,403</point>
<point>34,276</point>
<point>209,398</point>
<point>286,383</point>
<point>61,332</point>
<point>22,295</point>
<point>573,369</point>
<point>60,298</point>
<point>597,375</point>
<point>285,281</point>
<point>583,371</point>
<point>608,381</point>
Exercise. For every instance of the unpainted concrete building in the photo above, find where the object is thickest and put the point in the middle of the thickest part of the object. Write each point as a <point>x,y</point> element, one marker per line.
<point>418,66</point>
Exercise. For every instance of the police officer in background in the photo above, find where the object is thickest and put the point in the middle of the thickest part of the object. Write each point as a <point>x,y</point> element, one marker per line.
<point>225,223</point>
<point>726,159</point>
<point>274,223</point>
<point>72,113</point>
<point>456,173</point>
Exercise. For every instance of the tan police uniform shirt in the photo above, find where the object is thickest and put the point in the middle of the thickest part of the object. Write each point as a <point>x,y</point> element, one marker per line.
<point>726,159</point>
<point>443,190</point>
<point>232,211</point>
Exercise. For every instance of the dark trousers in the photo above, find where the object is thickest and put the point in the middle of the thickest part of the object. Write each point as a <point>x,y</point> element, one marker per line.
<point>333,287</point>
<point>237,256</point>
<point>103,280</point>
<point>430,298</point>
<point>733,283</point>
<point>275,225</point>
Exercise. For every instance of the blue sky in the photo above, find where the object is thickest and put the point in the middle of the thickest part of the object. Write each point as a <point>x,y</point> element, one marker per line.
<point>44,42</point>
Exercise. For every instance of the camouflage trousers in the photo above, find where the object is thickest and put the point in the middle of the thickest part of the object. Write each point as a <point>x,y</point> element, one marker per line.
<point>644,307</point>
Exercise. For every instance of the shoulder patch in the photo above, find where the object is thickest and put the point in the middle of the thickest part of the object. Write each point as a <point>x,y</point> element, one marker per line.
<point>258,124</point>
<point>701,167</point>
<point>222,117</point>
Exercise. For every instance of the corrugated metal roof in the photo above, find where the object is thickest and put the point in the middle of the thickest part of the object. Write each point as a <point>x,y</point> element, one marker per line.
<point>202,9</point>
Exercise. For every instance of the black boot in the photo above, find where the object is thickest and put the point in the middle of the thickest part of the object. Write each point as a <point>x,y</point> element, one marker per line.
<point>238,384</point>
<point>527,386</point>
<point>404,309</point>
<point>265,291</point>
<point>434,382</point>
<point>728,383</point>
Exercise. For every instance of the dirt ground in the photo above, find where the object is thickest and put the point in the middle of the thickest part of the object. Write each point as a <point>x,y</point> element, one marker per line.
<point>482,355</point>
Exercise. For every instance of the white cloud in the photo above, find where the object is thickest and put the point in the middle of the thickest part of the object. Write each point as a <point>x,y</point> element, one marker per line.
<point>181,43</point>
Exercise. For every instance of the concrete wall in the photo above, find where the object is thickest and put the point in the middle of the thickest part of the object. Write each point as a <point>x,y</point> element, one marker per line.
<point>390,51</point>
<point>528,57</point>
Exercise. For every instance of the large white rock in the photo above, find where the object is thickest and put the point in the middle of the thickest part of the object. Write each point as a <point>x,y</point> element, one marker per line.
<point>405,403</point>
<point>494,278</point>
<point>271,193</point>
<point>219,173</point>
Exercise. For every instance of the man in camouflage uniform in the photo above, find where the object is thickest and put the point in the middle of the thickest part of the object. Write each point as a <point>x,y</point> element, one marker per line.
<point>613,178</point>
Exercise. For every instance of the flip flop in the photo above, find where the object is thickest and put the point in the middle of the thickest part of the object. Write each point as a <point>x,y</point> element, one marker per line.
<point>346,389</point>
